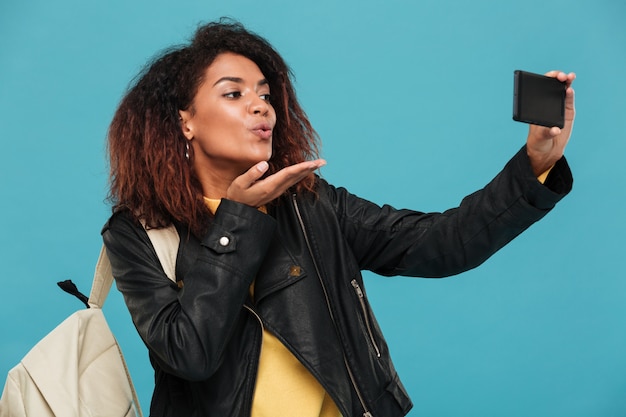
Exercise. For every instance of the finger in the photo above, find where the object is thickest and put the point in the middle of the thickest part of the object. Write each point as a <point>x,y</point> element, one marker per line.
<point>562,76</point>
<point>543,133</point>
<point>305,166</point>
<point>555,131</point>
<point>552,74</point>
<point>251,190</point>
<point>252,175</point>
<point>293,174</point>
<point>569,98</point>
<point>570,110</point>
<point>289,176</point>
<point>559,75</point>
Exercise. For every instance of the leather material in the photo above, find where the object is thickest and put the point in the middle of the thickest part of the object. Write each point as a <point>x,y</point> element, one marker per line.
<point>305,258</point>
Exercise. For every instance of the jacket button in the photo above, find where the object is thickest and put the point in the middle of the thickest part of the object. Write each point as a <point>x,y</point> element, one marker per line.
<point>224,241</point>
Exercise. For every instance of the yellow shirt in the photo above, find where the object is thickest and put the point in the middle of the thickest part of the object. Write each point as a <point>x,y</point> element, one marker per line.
<point>542,178</point>
<point>284,387</point>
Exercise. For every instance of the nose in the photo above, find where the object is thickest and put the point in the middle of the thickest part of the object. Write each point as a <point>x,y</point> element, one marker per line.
<point>259,106</point>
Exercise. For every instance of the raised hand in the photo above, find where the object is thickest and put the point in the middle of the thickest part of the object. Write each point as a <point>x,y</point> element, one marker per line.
<point>546,145</point>
<point>249,189</point>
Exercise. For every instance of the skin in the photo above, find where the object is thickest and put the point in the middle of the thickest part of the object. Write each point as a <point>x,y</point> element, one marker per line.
<point>545,146</point>
<point>229,127</point>
<point>230,155</point>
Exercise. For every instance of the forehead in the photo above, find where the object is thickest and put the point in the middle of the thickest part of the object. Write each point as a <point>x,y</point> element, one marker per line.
<point>229,64</point>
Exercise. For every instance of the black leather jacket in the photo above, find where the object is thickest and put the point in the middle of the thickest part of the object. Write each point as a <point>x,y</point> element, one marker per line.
<point>305,258</point>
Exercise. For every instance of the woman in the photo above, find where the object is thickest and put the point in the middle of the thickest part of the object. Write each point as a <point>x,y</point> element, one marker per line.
<point>270,317</point>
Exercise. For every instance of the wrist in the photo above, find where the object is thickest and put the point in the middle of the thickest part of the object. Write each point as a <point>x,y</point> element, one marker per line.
<point>541,162</point>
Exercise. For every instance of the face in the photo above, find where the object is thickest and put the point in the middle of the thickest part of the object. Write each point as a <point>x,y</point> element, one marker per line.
<point>230,121</point>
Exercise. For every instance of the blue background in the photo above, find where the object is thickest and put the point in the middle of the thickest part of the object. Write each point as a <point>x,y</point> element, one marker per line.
<point>413,102</point>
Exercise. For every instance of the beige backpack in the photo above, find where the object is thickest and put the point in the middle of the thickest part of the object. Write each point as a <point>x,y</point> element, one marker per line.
<point>78,369</point>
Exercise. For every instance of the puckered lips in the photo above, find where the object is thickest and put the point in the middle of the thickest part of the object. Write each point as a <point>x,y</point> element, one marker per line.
<point>262,130</point>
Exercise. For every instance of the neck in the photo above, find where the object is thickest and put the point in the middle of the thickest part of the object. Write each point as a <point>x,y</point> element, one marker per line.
<point>214,185</point>
<point>215,181</point>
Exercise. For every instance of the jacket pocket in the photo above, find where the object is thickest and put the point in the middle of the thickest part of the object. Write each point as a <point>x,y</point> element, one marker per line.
<point>399,393</point>
<point>365,311</point>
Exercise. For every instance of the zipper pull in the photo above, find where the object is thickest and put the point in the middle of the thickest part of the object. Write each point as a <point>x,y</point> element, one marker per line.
<point>357,288</point>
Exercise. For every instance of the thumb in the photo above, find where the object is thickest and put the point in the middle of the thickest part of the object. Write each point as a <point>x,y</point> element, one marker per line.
<point>253,174</point>
<point>542,133</point>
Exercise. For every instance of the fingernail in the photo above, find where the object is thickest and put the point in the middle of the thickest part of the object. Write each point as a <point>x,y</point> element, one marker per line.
<point>262,166</point>
<point>319,164</point>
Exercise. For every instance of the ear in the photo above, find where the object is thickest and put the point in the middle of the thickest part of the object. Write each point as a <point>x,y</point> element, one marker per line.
<point>186,123</point>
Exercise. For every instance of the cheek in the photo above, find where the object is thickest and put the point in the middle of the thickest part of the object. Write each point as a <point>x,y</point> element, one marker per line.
<point>214,128</point>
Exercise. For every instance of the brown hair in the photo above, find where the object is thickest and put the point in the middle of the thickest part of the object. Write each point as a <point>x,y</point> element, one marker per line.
<point>149,172</point>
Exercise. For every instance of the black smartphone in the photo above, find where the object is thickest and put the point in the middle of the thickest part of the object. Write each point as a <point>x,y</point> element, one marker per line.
<point>538,99</point>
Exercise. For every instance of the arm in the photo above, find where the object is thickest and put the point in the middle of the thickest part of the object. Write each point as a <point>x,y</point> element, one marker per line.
<point>405,242</point>
<point>187,329</point>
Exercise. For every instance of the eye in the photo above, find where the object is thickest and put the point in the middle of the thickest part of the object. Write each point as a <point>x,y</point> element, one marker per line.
<point>233,94</point>
<point>266,97</point>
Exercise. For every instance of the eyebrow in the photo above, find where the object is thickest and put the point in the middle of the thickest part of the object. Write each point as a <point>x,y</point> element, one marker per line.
<point>240,81</point>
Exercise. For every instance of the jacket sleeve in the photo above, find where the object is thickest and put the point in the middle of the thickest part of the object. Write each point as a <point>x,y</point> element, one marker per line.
<point>186,330</point>
<point>411,243</point>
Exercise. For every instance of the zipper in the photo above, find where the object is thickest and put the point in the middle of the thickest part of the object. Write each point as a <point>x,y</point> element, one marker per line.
<point>254,313</point>
<point>257,317</point>
<point>361,295</point>
<point>366,412</point>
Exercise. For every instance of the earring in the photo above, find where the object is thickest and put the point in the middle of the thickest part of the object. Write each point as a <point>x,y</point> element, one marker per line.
<point>187,150</point>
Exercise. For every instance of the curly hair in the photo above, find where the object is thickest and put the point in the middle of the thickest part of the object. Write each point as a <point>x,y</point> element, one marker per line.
<point>149,172</point>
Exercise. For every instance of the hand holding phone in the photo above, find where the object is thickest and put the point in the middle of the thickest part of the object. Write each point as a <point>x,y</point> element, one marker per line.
<point>538,99</point>
<point>545,145</point>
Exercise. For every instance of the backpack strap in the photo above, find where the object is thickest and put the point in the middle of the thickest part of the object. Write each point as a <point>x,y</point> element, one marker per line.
<point>165,242</point>
<point>102,280</point>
